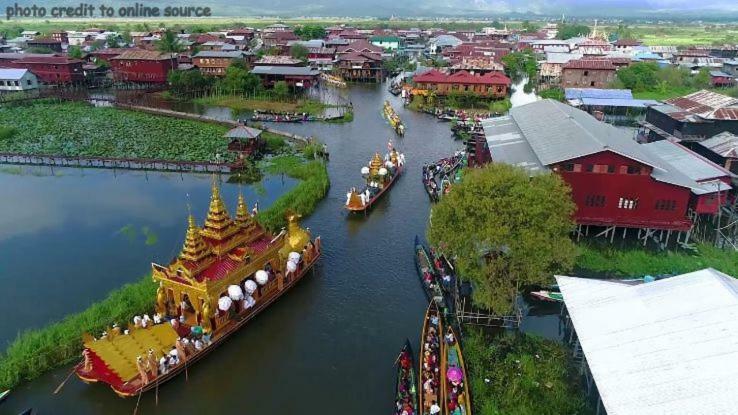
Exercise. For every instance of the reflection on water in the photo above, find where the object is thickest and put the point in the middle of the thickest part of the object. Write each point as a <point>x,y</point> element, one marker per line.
<point>71,237</point>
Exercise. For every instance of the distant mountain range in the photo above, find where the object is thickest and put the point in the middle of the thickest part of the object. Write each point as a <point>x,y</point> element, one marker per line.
<point>646,9</point>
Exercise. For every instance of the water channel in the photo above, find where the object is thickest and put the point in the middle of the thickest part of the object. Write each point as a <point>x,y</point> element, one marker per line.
<point>327,347</point>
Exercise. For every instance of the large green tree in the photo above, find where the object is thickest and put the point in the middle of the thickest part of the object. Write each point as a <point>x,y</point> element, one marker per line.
<point>299,51</point>
<point>505,230</point>
<point>238,79</point>
<point>169,43</point>
<point>568,31</point>
<point>186,83</point>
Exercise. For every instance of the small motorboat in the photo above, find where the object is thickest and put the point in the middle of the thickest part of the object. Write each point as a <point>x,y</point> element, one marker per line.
<point>406,392</point>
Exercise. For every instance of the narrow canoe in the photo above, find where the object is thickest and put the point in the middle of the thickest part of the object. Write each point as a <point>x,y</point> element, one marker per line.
<point>423,263</point>
<point>430,341</point>
<point>376,196</point>
<point>548,296</point>
<point>4,395</point>
<point>406,392</point>
<point>459,398</point>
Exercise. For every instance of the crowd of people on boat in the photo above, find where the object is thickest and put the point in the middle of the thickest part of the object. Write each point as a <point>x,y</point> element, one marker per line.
<point>431,367</point>
<point>405,386</point>
<point>455,400</point>
<point>375,185</point>
<point>446,168</point>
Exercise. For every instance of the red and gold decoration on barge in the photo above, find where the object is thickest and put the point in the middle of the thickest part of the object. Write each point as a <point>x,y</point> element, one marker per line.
<point>227,272</point>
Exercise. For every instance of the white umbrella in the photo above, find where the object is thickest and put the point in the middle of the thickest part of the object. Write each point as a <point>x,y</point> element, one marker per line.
<point>249,302</point>
<point>291,266</point>
<point>224,303</point>
<point>365,170</point>
<point>249,286</point>
<point>389,164</point>
<point>234,291</point>
<point>294,256</point>
<point>261,277</point>
<point>382,171</point>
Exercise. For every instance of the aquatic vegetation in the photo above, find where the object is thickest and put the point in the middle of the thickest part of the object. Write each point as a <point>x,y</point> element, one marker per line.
<point>36,351</point>
<point>275,143</point>
<point>6,132</point>
<point>515,373</point>
<point>151,237</point>
<point>77,129</point>
<point>129,231</point>
<point>304,197</point>
<point>637,261</point>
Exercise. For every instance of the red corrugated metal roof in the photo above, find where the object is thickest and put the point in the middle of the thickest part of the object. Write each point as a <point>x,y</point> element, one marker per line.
<point>593,64</point>
<point>57,60</point>
<point>462,77</point>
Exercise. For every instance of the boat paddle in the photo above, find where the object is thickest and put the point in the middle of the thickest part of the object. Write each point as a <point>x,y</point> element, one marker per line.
<point>140,392</point>
<point>61,385</point>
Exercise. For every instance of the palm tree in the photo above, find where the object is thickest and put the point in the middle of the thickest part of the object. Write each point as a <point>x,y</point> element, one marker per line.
<point>169,43</point>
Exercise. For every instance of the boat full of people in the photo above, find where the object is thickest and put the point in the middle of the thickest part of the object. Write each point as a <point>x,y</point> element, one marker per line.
<point>393,119</point>
<point>228,271</point>
<point>448,170</point>
<point>406,393</point>
<point>456,399</point>
<point>379,176</point>
<point>430,398</point>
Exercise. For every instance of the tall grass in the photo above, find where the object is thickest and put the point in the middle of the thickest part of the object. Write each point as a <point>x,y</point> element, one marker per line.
<point>304,197</point>
<point>36,351</point>
<point>515,373</point>
<point>639,262</point>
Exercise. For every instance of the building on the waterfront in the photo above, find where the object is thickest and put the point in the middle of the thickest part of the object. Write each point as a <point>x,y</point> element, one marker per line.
<point>664,347</point>
<point>143,66</point>
<point>51,44</point>
<point>245,141</point>
<point>549,74</point>
<point>49,69</point>
<point>360,66</point>
<point>587,73</point>
<point>215,63</point>
<point>437,44</point>
<point>616,105</point>
<point>478,65</point>
<point>721,149</point>
<point>294,76</point>
<point>693,117</point>
<point>99,56</point>
<point>278,39</point>
<point>17,80</point>
<point>616,183</point>
<point>488,85</point>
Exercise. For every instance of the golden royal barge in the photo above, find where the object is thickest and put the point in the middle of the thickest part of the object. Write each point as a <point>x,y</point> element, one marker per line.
<point>227,273</point>
<point>380,176</point>
<point>394,119</point>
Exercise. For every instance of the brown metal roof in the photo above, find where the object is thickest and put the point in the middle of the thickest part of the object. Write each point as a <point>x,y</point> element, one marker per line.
<point>141,54</point>
<point>594,64</point>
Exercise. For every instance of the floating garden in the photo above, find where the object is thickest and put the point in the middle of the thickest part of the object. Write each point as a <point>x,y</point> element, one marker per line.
<point>76,129</point>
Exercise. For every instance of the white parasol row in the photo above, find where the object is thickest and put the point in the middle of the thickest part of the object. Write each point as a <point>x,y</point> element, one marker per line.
<point>291,266</point>
<point>365,170</point>
<point>382,171</point>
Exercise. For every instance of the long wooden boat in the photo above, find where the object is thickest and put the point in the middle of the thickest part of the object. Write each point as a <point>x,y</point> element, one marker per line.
<point>423,264</point>
<point>406,392</point>
<point>456,388</point>
<point>215,262</point>
<point>353,206</point>
<point>393,119</point>
<point>429,370</point>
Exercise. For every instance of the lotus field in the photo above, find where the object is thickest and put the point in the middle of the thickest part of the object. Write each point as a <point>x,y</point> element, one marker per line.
<point>78,129</point>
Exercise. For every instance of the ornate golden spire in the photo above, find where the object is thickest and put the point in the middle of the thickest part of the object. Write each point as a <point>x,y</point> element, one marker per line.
<point>375,165</point>
<point>242,211</point>
<point>218,225</point>
<point>194,248</point>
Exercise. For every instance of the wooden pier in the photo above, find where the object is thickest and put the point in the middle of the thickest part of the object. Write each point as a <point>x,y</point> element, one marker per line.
<point>116,163</point>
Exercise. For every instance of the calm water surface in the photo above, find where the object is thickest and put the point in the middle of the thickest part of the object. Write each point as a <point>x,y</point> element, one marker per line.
<point>326,348</point>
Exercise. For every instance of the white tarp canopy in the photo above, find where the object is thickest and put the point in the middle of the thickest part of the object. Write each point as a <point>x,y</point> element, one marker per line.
<point>666,347</point>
